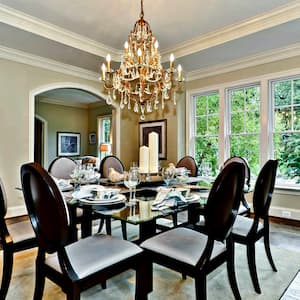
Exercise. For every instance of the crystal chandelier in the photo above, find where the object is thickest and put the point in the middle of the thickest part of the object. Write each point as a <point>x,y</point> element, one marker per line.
<point>141,83</point>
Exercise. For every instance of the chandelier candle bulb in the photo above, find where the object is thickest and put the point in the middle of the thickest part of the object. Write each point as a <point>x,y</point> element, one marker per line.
<point>171,61</point>
<point>144,160</point>
<point>153,152</point>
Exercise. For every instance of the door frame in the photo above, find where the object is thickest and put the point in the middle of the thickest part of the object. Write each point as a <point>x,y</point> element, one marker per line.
<point>116,116</point>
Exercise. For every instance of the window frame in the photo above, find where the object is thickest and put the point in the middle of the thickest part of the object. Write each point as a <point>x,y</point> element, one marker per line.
<point>266,110</point>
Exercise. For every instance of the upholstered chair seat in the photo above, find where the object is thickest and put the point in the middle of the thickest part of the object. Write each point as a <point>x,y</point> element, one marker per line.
<point>94,254</point>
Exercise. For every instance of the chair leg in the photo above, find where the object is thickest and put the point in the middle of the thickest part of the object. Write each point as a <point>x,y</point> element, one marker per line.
<point>144,278</point>
<point>231,271</point>
<point>268,250</point>
<point>252,267</point>
<point>108,225</point>
<point>101,224</point>
<point>6,271</point>
<point>200,287</point>
<point>124,230</point>
<point>73,293</point>
<point>175,219</point>
<point>39,283</point>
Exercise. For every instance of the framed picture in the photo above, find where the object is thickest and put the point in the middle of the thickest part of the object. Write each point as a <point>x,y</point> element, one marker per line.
<point>68,144</point>
<point>160,127</point>
<point>92,138</point>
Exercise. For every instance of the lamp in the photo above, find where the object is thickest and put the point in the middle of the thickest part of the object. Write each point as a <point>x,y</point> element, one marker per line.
<point>104,147</point>
<point>141,82</point>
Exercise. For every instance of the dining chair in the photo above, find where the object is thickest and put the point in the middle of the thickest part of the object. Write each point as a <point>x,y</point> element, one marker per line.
<point>111,161</point>
<point>248,231</point>
<point>62,167</point>
<point>80,265</point>
<point>196,254</point>
<point>244,209</point>
<point>14,238</point>
<point>189,163</point>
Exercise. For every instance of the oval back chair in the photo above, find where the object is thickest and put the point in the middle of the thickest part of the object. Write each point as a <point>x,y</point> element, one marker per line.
<point>80,265</point>
<point>110,161</point>
<point>62,167</point>
<point>247,231</point>
<point>15,237</point>
<point>244,209</point>
<point>189,163</point>
<point>197,254</point>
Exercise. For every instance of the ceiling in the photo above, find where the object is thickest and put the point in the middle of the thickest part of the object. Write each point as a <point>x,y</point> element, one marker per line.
<point>205,36</point>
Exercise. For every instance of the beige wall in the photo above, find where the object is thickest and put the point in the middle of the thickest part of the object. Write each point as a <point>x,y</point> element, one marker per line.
<point>63,119</point>
<point>16,82</point>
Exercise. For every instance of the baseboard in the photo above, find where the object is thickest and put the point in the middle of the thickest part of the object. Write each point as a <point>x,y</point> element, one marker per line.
<point>16,211</point>
<point>285,213</point>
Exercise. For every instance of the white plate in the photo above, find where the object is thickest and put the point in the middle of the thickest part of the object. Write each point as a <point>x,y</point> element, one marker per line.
<point>114,200</point>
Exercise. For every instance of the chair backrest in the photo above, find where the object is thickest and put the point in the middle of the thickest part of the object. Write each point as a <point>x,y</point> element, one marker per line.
<point>110,161</point>
<point>46,207</point>
<point>3,201</point>
<point>62,167</point>
<point>189,163</point>
<point>264,187</point>
<point>247,168</point>
<point>223,201</point>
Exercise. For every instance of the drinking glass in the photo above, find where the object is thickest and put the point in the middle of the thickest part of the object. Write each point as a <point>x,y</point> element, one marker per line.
<point>131,180</point>
<point>167,175</point>
<point>206,169</point>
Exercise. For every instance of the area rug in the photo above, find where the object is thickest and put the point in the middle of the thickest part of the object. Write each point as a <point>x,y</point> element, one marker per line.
<point>169,284</point>
<point>293,290</point>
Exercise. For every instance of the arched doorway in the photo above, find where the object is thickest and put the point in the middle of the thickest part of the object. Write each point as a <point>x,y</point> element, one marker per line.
<point>88,89</point>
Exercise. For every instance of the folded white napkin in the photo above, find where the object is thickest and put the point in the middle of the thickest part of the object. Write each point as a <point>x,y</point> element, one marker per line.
<point>81,194</point>
<point>167,198</point>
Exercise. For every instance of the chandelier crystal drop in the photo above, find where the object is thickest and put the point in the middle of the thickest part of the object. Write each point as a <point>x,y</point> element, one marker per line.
<point>141,84</point>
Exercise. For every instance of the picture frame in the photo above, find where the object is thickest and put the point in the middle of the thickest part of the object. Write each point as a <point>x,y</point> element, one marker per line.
<point>158,126</point>
<point>92,138</point>
<point>68,143</point>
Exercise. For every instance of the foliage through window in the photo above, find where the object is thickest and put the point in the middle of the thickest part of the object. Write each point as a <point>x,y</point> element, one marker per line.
<point>286,133</point>
<point>207,129</point>
<point>244,105</point>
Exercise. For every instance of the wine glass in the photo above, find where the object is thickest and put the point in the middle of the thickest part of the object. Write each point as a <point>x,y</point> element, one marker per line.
<point>131,180</point>
<point>167,175</point>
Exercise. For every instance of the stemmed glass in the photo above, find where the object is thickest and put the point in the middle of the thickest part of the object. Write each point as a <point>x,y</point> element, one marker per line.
<point>167,175</point>
<point>131,180</point>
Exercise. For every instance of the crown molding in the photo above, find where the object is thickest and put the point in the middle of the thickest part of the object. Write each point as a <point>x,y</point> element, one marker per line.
<point>250,61</point>
<point>50,31</point>
<point>277,16</point>
<point>62,102</point>
<point>45,63</point>
<point>281,15</point>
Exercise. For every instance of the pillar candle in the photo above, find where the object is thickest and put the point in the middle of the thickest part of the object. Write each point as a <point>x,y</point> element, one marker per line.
<point>153,152</point>
<point>144,159</point>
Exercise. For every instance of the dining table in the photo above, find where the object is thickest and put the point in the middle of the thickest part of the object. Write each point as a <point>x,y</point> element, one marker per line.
<point>141,212</point>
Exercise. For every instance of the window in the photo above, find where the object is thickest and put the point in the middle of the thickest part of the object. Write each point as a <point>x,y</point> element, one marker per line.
<point>244,124</point>
<point>286,129</point>
<point>206,108</point>
<point>258,121</point>
<point>104,134</point>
